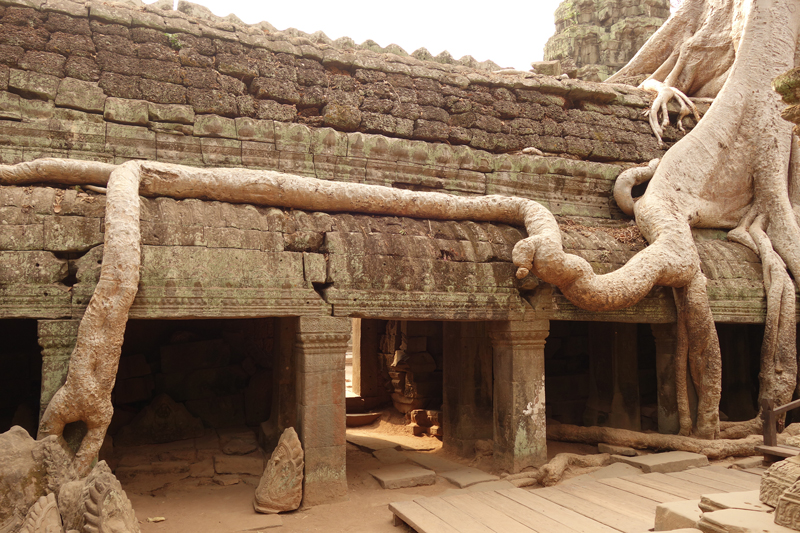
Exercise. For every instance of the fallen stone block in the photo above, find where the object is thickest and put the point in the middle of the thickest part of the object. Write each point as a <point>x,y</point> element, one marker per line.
<point>739,521</point>
<point>664,462</point>
<point>733,500</point>
<point>467,476</point>
<point>390,456</point>
<point>226,479</point>
<point>676,515</point>
<point>403,475</point>
<point>749,462</point>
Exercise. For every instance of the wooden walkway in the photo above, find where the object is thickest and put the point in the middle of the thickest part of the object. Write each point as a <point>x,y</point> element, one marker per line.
<point>611,505</point>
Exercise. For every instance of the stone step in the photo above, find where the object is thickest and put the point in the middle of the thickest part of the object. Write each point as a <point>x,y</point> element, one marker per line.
<point>677,515</point>
<point>403,475</point>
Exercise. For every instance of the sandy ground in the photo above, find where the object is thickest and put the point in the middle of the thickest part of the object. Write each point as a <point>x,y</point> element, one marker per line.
<point>198,505</point>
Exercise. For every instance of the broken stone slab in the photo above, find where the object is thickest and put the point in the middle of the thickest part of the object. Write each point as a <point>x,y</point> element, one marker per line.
<point>748,462</point>
<point>281,485</point>
<point>664,463</point>
<point>433,462</point>
<point>733,500</point>
<point>677,515</point>
<point>390,456</point>
<point>739,521</point>
<point>467,476</point>
<point>371,443</point>
<point>403,475</point>
<point>613,449</point>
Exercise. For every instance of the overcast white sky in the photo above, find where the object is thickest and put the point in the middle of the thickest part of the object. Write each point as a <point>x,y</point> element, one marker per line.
<point>511,33</point>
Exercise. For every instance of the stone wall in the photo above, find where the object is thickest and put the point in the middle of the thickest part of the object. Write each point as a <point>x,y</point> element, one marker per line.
<point>117,82</point>
<point>600,36</point>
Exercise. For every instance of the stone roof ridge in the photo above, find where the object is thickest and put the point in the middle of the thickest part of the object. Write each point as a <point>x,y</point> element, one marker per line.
<point>296,36</point>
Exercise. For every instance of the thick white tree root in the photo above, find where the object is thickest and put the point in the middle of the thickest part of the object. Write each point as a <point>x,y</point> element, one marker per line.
<point>663,95</point>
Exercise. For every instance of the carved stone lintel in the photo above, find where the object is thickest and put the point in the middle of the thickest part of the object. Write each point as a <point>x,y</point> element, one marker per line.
<point>778,478</point>
<point>787,513</point>
<point>281,486</point>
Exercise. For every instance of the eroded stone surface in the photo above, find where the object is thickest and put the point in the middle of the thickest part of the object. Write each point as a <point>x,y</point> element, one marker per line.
<point>281,485</point>
<point>43,517</point>
<point>787,513</point>
<point>733,500</point>
<point>467,476</point>
<point>740,521</point>
<point>164,420</point>
<point>778,478</point>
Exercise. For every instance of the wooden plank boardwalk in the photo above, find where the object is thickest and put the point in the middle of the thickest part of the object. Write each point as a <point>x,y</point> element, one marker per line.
<point>625,504</point>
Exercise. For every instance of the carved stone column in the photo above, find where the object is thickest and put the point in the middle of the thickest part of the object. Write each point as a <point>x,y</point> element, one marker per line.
<point>520,432</point>
<point>320,347</point>
<point>57,339</point>
<point>666,340</point>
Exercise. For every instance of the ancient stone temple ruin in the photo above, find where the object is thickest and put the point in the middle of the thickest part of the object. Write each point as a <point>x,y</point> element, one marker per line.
<point>244,310</point>
<point>595,38</point>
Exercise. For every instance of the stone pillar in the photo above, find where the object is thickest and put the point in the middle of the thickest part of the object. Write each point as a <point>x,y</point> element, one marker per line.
<point>467,386</point>
<point>614,377</point>
<point>320,347</point>
<point>520,431</point>
<point>57,339</point>
<point>366,364</point>
<point>666,341</point>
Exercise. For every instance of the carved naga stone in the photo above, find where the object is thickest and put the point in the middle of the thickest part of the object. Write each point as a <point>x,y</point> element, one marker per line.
<point>281,486</point>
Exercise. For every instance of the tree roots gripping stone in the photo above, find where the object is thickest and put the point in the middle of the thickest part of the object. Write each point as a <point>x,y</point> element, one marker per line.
<point>734,170</point>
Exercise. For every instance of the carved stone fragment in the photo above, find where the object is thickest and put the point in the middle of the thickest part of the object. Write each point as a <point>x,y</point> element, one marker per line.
<point>43,517</point>
<point>281,486</point>
<point>787,513</point>
<point>778,478</point>
<point>99,505</point>
<point>28,470</point>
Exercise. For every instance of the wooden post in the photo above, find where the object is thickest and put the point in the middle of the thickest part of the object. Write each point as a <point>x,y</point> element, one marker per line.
<point>768,415</point>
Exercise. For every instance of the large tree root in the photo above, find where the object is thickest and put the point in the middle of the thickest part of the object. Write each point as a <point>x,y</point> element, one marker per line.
<point>553,471</point>
<point>713,449</point>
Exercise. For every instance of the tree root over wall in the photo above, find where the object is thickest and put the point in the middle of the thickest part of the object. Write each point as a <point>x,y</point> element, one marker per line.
<point>735,170</point>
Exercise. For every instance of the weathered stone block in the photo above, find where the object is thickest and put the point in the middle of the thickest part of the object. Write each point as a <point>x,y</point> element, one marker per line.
<point>315,268</point>
<point>214,126</point>
<point>82,95</point>
<point>182,114</point>
<point>126,111</point>
<point>321,388</point>
<point>260,155</point>
<point>32,84</point>
<point>71,234</point>
<point>135,142</point>
<point>179,149</point>
<point>248,129</point>
<point>221,152</point>
<point>108,14</point>
<point>400,476</point>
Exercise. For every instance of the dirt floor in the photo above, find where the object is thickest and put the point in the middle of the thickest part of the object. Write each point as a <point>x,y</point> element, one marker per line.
<point>195,504</point>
